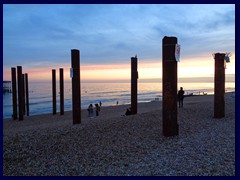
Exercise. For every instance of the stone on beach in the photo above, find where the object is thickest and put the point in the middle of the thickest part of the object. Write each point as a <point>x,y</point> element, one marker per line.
<point>112,144</point>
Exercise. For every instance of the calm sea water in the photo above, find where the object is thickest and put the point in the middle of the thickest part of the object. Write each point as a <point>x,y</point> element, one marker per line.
<point>40,94</point>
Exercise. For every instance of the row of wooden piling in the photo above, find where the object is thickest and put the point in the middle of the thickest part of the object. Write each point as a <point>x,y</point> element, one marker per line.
<point>20,89</point>
<point>76,87</point>
<point>169,87</point>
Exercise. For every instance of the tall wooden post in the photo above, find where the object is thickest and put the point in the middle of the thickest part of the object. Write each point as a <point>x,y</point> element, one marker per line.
<point>134,77</point>
<point>54,102</point>
<point>20,93</point>
<point>23,86</point>
<point>219,86</point>
<point>76,92</point>
<point>169,76</point>
<point>14,93</point>
<point>61,91</point>
<point>27,93</point>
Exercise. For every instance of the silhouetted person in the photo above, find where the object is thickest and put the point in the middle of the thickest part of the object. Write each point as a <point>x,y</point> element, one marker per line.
<point>100,103</point>
<point>90,111</point>
<point>180,97</point>
<point>128,112</point>
<point>97,109</point>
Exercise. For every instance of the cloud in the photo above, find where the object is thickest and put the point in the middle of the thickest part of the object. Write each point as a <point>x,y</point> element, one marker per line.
<point>40,34</point>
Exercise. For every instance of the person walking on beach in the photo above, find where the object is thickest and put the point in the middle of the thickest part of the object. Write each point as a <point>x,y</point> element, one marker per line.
<point>97,109</point>
<point>90,111</point>
<point>100,103</point>
<point>180,97</point>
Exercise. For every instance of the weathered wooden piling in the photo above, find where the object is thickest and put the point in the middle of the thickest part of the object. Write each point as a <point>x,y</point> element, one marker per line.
<point>14,93</point>
<point>76,92</point>
<point>27,93</point>
<point>134,77</point>
<point>54,102</point>
<point>24,104</point>
<point>219,86</point>
<point>169,87</point>
<point>20,93</point>
<point>61,82</point>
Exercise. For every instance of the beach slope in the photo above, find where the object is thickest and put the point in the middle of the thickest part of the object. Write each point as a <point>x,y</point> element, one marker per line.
<point>112,144</point>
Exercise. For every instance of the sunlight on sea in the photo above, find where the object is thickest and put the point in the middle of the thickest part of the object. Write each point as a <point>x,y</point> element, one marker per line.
<point>40,94</point>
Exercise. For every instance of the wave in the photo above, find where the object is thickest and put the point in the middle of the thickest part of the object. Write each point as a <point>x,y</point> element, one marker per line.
<point>108,94</point>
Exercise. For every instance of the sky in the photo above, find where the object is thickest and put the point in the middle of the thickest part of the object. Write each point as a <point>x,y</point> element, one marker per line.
<point>39,37</point>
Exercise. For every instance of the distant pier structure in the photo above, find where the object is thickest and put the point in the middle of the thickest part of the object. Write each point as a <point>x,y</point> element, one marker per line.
<point>7,88</point>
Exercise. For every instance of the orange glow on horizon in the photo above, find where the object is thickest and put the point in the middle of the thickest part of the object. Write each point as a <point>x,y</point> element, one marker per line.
<point>147,69</point>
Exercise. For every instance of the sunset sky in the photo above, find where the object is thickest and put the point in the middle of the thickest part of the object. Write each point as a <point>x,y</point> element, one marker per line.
<point>40,38</point>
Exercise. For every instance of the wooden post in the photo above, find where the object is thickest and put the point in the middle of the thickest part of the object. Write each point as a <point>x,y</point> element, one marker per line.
<point>54,102</point>
<point>14,93</point>
<point>134,77</point>
<point>23,86</point>
<point>169,102</point>
<point>27,93</point>
<point>61,75</point>
<point>219,86</point>
<point>20,93</point>
<point>76,92</point>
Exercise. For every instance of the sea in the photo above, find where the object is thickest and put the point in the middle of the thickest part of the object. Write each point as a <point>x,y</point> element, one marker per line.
<point>110,94</point>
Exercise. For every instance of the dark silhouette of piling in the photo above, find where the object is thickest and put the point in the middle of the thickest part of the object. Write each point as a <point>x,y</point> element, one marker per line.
<point>169,75</point>
<point>24,104</point>
<point>27,93</point>
<point>76,93</point>
<point>219,85</point>
<point>61,77</point>
<point>54,102</point>
<point>134,77</point>
<point>14,93</point>
<point>20,93</point>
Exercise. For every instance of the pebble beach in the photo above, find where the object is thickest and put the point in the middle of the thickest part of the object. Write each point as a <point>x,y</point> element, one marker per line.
<point>116,145</point>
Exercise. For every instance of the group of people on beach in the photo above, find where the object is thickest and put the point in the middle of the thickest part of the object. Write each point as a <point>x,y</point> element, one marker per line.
<point>91,110</point>
<point>180,101</point>
<point>128,111</point>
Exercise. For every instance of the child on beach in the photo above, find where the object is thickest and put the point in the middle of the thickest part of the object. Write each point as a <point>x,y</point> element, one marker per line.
<point>90,111</point>
<point>97,109</point>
